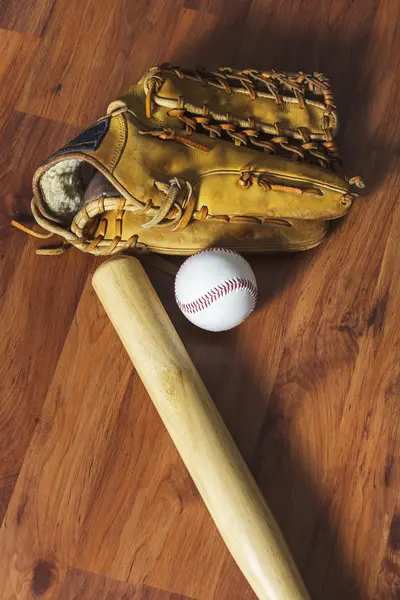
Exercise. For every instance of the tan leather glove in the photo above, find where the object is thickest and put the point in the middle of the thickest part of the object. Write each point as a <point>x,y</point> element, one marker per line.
<point>188,160</point>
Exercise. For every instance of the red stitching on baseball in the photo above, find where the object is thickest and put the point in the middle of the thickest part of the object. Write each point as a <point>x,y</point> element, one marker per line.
<point>217,292</point>
<point>212,249</point>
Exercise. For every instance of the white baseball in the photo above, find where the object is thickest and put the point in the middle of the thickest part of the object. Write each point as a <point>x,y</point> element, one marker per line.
<point>216,289</point>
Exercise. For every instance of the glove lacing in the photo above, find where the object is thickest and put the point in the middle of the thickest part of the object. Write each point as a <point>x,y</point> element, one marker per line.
<point>170,213</point>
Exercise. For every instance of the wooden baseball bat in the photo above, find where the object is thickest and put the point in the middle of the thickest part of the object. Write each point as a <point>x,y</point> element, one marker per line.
<point>197,430</point>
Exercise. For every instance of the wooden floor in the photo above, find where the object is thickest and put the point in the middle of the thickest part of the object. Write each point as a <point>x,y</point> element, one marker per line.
<point>95,503</point>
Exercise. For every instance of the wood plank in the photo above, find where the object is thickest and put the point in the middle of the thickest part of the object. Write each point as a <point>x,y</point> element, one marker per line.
<point>308,434</point>
<point>381,104</point>
<point>28,17</point>
<point>39,338</point>
<point>17,52</point>
<point>79,75</point>
<point>51,486</point>
<point>388,583</point>
<point>79,584</point>
<point>370,427</point>
<point>217,43</point>
<point>224,9</point>
<point>36,303</point>
<point>190,29</point>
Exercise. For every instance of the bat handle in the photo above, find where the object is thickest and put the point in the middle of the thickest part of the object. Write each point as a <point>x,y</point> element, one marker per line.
<point>197,430</point>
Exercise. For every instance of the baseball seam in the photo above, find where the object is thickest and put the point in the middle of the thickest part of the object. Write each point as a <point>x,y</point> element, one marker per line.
<point>212,249</point>
<point>217,292</point>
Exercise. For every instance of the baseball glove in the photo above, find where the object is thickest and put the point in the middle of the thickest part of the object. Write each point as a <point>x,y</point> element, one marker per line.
<point>187,160</point>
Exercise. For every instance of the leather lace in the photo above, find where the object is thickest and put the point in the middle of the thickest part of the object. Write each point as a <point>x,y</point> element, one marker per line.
<point>89,219</point>
<point>278,86</point>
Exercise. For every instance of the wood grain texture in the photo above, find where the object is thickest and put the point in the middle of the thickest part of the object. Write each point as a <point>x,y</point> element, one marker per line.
<point>28,295</point>
<point>17,52</point>
<point>29,17</point>
<point>99,46</point>
<point>98,501</point>
<point>80,584</point>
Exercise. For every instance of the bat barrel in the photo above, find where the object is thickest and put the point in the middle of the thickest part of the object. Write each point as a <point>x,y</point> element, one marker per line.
<point>197,430</point>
